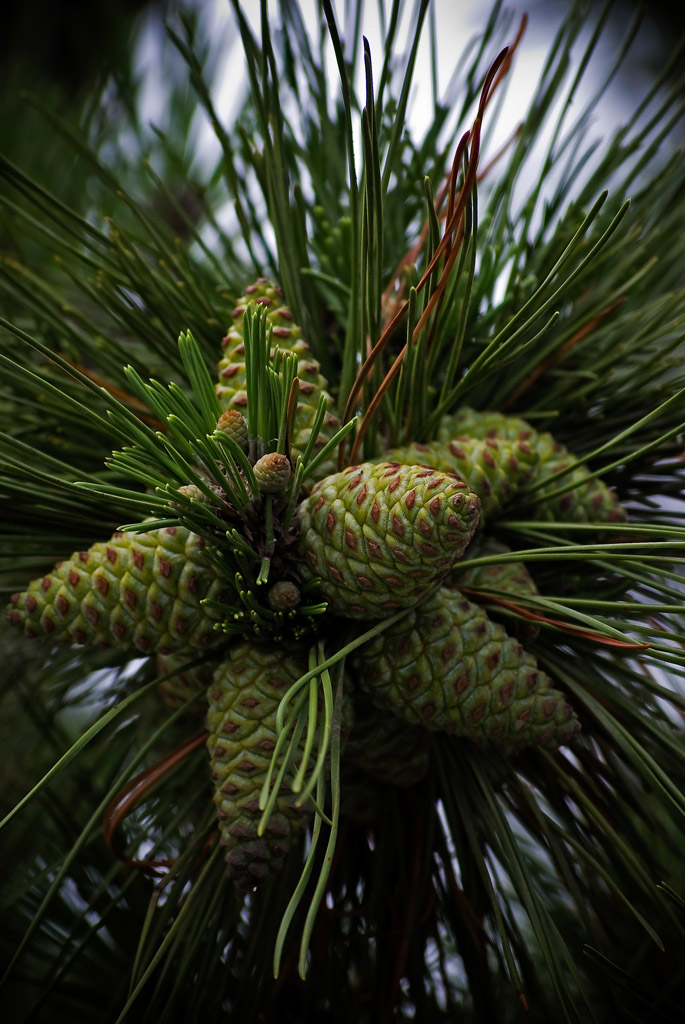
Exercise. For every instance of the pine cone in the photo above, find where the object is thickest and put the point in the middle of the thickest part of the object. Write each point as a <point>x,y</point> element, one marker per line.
<point>505,579</point>
<point>331,243</point>
<point>381,536</point>
<point>193,492</point>
<point>385,748</point>
<point>136,590</point>
<point>582,502</point>
<point>243,702</point>
<point>175,691</point>
<point>451,668</point>
<point>493,468</point>
<point>473,423</point>
<point>231,389</point>
<point>590,502</point>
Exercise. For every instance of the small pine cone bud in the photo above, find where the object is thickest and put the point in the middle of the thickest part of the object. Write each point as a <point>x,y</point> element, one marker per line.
<point>137,590</point>
<point>272,473</point>
<point>233,423</point>
<point>452,668</point>
<point>283,596</point>
<point>381,536</point>
<point>194,492</point>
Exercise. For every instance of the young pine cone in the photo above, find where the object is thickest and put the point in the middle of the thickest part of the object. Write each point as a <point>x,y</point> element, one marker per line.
<point>381,536</point>
<point>241,721</point>
<point>186,683</point>
<point>494,468</point>
<point>385,748</point>
<point>272,473</point>
<point>579,502</point>
<point>506,579</point>
<point>232,387</point>
<point>451,668</point>
<point>136,590</point>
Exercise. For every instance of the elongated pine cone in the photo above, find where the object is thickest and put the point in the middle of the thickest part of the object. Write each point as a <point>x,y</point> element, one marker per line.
<point>231,389</point>
<point>136,590</point>
<point>187,683</point>
<point>386,748</point>
<point>581,501</point>
<point>494,468</point>
<point>506,579</point>
<point>241,721</point>
<point>450,667</point>
<point>381,536</point>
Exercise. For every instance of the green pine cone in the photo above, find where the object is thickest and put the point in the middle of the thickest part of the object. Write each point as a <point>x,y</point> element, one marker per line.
<point>386,748</point>
<point>193,492</point>
<point>584,501</point>
<point>505,579</point>
<point>589,502</point>
<point>450,667</point>
<point>177,690</point>
<point>494,468</point>
<point>381,536</point>
<point>472,423</point>
<point>331,243</point>
<point>241,720</point>
<point>231,389</point>
<point>136,590</point>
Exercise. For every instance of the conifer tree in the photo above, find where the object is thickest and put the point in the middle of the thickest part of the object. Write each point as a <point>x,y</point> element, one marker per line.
<point>341,538</point>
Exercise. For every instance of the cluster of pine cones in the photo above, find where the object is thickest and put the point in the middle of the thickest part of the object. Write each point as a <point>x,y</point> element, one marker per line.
<point>396,533</point>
